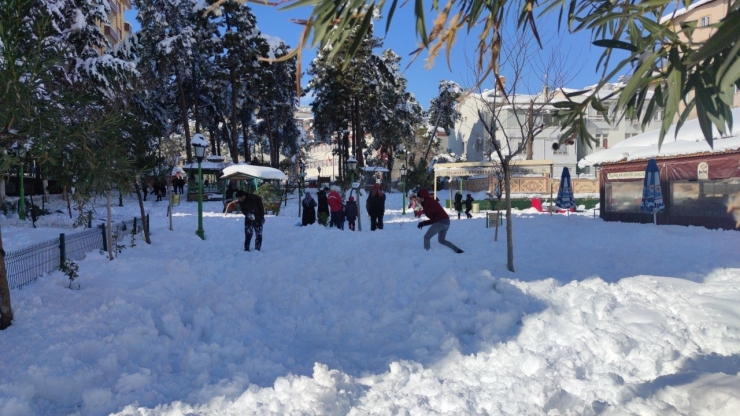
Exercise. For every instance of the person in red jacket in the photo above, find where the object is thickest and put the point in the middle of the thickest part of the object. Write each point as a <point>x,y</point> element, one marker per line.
<point>335,208</point>
<point>438,219</point>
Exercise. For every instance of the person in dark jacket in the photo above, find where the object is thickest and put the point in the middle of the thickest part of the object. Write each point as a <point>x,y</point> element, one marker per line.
<point>468,205</point>
<point>350,210</point>
<point>458,204</point>
<point>376,207</point>
<point>438,219</point>
<point>254,218</point>
<point>323,206</point>
<point>309,210</point>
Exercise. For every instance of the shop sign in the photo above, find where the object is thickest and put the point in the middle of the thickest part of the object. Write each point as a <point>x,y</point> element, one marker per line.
<point>626,175</point>
<point>702,171</point>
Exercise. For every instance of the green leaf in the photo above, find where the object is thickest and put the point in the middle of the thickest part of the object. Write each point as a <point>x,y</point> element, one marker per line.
<point>613,43</point>
<point>390,15</point>
<point>421,28</point>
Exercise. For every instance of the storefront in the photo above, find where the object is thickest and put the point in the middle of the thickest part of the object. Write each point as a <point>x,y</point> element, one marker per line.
<point>696,189</point>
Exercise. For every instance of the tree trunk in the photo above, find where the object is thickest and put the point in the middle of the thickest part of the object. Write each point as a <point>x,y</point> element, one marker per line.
<point>45,184</point>
<point>6,312</point>
<point>509,231</point>
<point>144,224</point>
<point>234,119</point>
<point>530,132</point>
<point>2,190</point>
<point>357,139</point>
<point>184,119</point>
<point>109,232</point>
<point>245,135</point>
<point>69,204</point>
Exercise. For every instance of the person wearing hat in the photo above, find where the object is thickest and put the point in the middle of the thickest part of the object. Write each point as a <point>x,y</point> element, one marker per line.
<point>438,219</point>
<point>376,207</point>
<point>254,218</point>
<point>350,210</point>
<point>468,205</point>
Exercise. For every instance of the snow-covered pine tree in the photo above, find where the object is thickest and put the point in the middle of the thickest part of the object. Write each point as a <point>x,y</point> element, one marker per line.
<point>278,101</point>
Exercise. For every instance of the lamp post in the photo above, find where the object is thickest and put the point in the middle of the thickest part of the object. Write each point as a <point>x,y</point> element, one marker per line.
<point>301,184</point>
<point>403,198</point>
<point>21,151</point>
<point>199,147</point>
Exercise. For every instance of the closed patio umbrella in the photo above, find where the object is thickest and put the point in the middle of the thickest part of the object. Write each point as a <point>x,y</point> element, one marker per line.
<point>652,194</point>
<point>565,198</point>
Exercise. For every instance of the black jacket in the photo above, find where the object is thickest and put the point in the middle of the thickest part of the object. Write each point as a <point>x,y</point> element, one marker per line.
<point>252,204</point>
<point>323,202</point>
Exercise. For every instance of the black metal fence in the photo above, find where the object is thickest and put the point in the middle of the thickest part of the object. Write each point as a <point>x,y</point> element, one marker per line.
<point>29,263</point>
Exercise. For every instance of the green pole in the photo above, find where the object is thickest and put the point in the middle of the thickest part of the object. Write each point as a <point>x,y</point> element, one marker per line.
<point>22,202</point>
<point>403,197</point>
<point>200,231</point>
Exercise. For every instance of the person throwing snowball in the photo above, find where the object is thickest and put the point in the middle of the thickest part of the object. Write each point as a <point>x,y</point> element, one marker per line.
<point>438,219</point>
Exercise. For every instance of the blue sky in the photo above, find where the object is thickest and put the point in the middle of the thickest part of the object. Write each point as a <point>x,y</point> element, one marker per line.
<point>423,82</point>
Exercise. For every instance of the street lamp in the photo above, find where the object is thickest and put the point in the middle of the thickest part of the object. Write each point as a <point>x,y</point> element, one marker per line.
<point>199,147</point>
<point>21,152</point>
<point>403,177</point>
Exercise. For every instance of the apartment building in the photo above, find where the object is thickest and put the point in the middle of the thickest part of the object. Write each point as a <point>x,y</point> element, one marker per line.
<point>118,28</point>
<point>705,13</point>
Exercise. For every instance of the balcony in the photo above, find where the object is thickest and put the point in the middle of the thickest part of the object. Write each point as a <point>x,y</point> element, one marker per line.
<point>126,4</point>
<point>115,8</point>
<point>112,34</point>
<point>127,28</point>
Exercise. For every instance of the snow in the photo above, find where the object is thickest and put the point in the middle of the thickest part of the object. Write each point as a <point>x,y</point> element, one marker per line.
<point>254,171</point>
<point>683,10</point>
<point>689,140</point>
<point>599,318</point>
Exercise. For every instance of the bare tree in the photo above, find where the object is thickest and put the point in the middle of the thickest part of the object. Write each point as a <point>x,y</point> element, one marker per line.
<point>510,116</point>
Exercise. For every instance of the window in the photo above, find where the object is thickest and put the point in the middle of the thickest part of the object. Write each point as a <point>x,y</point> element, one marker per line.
<point>704,21</point>
<point>562,150</point>
<point>624,197</point>
<point>598,138</point>
<point>705,198</point>
<point>606,143</point>
<point>658,115</point>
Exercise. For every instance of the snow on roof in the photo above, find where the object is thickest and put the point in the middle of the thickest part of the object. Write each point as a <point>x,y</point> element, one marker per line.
<point>262,172</point>
<point>690,140</point>
<point>683,11</point>
<point>374,169</point>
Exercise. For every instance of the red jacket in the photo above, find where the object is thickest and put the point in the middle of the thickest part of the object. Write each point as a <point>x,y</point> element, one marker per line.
<point>432,209</point>
<point>335,201</point>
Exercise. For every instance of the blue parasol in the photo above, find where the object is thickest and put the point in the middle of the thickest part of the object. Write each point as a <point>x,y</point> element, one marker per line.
<point>565,192</point>
<point>652,194</point>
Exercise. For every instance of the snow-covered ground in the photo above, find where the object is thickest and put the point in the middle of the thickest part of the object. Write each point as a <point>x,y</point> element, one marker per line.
<point>599,318</point>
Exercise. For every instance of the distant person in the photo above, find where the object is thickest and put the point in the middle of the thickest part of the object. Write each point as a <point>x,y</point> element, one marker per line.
<point>254,218</point>
<point>458,204</point>
<point>159,189</point>
<point>350,210</point>
<point>375,206</point>
<point>323,206</point>
<point>468,205</point>
<point>309,210</point>
<point>180,182</point>
<point>334,200</point>
<point>145,188</point>
<point>438,219</point>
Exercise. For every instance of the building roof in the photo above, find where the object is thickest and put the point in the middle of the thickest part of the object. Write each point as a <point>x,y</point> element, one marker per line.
<point>682,11</point>
<point>689,141</point>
